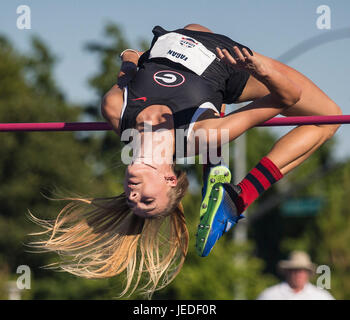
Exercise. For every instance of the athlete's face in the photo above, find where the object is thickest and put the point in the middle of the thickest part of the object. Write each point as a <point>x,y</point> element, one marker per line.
<point>147,187</point>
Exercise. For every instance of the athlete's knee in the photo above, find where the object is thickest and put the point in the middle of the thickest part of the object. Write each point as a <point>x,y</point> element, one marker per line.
<point>335,128</point>
<point>337,110</point>
<point>330,130</point>
<point>197,27</point>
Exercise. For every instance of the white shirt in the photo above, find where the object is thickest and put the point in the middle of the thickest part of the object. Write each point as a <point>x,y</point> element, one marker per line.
<point>283,291</point>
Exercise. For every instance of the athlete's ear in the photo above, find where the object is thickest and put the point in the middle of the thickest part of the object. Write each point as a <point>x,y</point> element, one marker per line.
<point>171,180</point>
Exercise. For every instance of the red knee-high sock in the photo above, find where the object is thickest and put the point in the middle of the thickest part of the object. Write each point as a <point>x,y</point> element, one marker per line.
<point>258,180</point>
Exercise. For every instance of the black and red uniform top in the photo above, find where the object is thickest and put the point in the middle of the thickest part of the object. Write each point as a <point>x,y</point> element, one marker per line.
<point>162,80</point>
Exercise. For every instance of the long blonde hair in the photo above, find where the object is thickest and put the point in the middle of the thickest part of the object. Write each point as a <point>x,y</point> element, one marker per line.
<point>101,238</point>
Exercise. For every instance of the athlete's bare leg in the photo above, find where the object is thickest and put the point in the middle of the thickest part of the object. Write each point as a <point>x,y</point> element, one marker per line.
<point>297,145</point>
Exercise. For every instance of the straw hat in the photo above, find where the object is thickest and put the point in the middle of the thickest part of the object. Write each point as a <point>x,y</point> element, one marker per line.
<point>297,260</point>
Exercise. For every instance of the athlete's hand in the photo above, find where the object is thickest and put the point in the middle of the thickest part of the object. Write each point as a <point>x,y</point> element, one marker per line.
<point>243,61</point>
<point>128,68</point>
<point>127,72</point>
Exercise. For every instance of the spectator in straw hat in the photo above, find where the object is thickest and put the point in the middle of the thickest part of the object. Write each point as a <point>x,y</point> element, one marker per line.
<point>297,271</point>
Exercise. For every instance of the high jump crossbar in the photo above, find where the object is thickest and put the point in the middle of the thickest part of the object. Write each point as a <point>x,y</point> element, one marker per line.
<point>104,126</point>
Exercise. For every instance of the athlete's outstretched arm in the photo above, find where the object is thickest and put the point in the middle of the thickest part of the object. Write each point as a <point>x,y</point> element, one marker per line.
<point>112,102</point>
<point>111,107</point>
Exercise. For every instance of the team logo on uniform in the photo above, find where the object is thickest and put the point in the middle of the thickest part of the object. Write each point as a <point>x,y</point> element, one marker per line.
<point>188,42</point>
<point>168,78</point>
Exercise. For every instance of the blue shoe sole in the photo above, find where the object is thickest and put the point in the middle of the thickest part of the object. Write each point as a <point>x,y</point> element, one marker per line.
<point>213,200</point>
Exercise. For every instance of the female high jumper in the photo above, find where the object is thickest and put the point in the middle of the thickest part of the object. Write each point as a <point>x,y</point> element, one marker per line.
<point>182,82</point>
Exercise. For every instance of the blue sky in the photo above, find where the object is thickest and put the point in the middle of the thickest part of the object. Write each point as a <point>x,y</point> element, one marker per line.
<point>270,27</point>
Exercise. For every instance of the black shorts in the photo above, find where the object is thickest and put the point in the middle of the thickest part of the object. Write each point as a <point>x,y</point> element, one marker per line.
<point>224,79</point>
<point>234,80</point>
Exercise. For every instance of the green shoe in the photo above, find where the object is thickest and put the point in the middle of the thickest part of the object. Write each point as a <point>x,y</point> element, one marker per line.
<point>213,196</point>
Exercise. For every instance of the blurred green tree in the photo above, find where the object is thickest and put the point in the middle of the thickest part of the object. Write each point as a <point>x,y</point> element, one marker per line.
<point>33,164</point>
<point>326,236</point>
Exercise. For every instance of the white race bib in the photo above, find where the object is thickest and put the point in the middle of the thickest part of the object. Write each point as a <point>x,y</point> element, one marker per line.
<point>184,50</point>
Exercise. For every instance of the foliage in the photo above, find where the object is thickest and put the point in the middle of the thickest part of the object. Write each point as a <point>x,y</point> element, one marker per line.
<point>37,164</point>
<point>327,237</point>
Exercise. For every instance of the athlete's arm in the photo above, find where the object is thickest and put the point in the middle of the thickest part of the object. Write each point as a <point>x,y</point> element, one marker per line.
<point>111,107</point>
<point>112,102</point>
